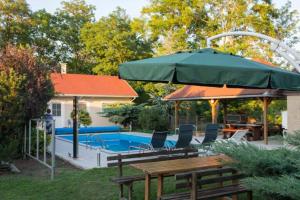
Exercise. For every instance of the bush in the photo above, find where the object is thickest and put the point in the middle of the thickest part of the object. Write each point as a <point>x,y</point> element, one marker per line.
<point>275,188</point>
<point>41,141</point>
<point>293,139</point>
<point>273,174</point>
<point>25,89</point>
<point>9,150</point>
<point>84,117</point>
<point>153,118</point>
<point>123,113</point>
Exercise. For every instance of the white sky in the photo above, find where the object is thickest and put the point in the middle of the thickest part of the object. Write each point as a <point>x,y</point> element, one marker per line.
<point>133,7</point>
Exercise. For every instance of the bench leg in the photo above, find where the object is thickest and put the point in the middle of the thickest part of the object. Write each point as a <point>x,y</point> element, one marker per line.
<point>249,195</point>
<point>147,186</point>
<point>160,186</point>
<point>121,192</point>
<point>130,191</point>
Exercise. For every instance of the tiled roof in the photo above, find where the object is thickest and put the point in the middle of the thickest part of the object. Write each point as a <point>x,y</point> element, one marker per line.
<point>91,85</point>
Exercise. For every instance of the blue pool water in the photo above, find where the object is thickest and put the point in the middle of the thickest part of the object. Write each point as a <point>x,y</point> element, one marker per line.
<point>114,141</point>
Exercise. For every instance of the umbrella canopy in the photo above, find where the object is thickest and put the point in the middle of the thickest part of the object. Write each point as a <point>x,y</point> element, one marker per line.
<point>209,67</point>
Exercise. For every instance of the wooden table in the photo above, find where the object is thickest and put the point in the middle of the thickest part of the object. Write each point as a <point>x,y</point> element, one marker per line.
<point>171,167</point>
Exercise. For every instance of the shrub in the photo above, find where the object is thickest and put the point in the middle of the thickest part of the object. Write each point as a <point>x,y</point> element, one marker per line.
<point>273,174</point>
<point>84,117</point>
<point>153,118</point>
<point>294,139</point>
<point>123,113</point>
<point>275,188</point>
<point>25,89</point>
<point>260,162</point>
<point>41,141</point>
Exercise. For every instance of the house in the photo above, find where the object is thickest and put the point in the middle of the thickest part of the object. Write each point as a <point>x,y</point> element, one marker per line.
<point>94,92</point>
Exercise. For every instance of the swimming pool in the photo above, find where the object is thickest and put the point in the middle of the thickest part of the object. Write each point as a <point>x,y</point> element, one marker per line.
<point>116,142</point>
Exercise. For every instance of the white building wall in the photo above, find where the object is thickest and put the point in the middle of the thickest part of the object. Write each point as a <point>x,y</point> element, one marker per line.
<point>293,113</point>
<point>94,105</point>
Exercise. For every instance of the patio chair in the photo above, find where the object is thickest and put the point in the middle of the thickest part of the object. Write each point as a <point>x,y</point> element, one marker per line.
<point>185,136</point>
<point>211,133</point>
<point>239,135</point>
<point>157,141</point>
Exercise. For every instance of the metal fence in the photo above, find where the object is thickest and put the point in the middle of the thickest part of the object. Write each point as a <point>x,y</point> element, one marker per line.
<point>32,143</point>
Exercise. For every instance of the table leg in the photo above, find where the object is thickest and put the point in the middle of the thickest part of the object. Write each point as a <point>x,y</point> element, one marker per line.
<point>147,186</point>
<point>160,186</point>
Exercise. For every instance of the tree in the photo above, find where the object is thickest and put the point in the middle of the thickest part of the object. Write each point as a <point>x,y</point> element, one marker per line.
<point>25,91</point>
<point>45,37</point>
<point>112,41</point>
<point>181,25</point>
<point>15,22</point>
<point>70,19</point>
<point>124,114</point>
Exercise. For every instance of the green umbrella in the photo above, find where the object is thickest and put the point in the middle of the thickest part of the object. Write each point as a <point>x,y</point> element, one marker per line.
<point>209,67</point>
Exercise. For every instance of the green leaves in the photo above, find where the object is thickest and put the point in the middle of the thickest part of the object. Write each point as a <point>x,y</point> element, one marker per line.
<point>25,90</point>
<point>112,41</point>
<point>273,174</point>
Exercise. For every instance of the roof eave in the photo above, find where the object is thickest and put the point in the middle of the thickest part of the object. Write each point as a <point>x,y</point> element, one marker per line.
<point>93,95</point>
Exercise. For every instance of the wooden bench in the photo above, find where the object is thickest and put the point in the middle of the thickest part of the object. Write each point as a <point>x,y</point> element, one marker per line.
<point>122,160</point>
<point>209,184</point>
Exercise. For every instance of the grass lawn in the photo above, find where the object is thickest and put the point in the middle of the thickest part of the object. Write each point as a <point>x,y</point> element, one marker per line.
<point>69,184</point>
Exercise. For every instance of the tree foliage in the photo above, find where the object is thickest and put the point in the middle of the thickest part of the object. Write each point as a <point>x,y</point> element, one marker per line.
<point>111,41</point>
<point>124,114</point>
<point>273,174</point>
<point>25,91</point>
<point>15,22</point>
<point>180,25</point>
<point>84,117</point>
<point>70,19</point>
<point>153,118</point>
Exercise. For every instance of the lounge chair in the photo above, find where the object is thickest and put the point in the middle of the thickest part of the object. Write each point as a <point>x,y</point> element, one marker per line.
<point>239,135</point>
<point>157,141</point>
<point>211,134</point>
<point>185,136</point>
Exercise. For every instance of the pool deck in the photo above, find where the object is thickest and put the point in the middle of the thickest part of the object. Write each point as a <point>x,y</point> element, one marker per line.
<point>88,156</point>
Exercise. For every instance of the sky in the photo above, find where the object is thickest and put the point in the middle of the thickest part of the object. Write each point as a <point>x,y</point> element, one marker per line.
<point>133,7</point>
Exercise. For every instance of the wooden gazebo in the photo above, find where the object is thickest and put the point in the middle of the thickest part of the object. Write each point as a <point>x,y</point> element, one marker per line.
<point>215,95</point>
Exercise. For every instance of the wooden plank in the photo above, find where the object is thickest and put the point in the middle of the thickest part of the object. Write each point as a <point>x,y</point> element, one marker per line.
<point>148,154</point>
<point>181,165</point>
<point>221,179</point>
<point>206,172</point>
<point>152,160</point>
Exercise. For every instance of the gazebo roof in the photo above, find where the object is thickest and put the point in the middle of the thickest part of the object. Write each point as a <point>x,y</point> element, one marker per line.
<point>191,92</point>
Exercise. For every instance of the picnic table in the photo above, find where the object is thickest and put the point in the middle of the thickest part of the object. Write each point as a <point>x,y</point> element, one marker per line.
<point>172,167</point>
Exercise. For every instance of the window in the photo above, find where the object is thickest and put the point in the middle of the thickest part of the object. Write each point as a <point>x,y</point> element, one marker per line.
<point>56,109</point>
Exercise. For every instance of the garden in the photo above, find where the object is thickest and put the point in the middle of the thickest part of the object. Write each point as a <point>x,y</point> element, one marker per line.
<point>33,44</point>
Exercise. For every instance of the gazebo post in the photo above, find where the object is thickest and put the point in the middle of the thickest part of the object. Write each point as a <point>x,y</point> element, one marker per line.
<point>177,103</point>
<point>214,115</point>
<point>266,102</point>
